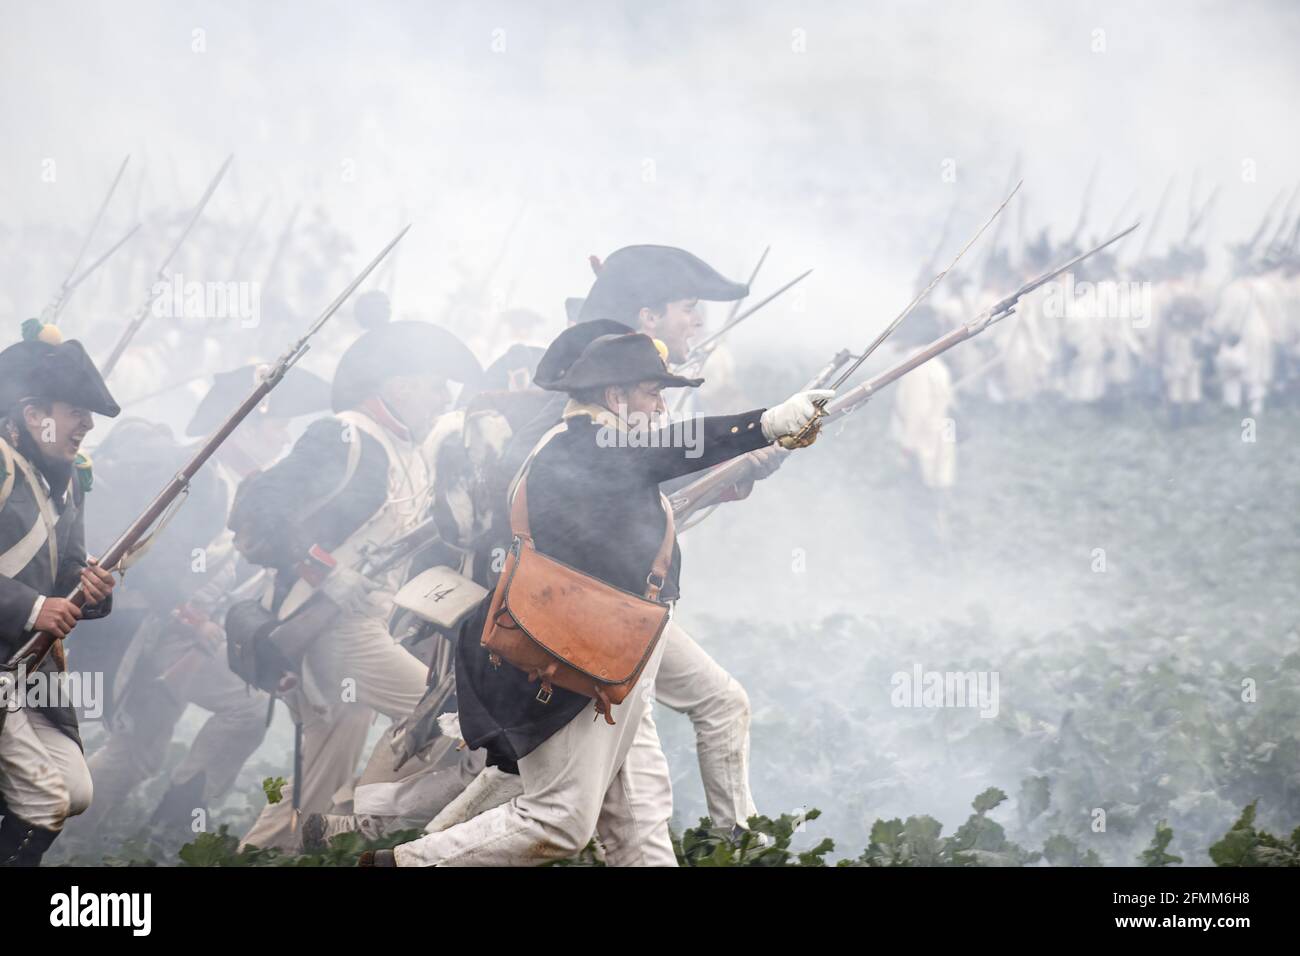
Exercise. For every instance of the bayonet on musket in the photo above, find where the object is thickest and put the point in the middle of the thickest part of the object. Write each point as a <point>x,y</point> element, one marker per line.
<point>65,292</point>
<point>1263,226</point>
<point>277,254</point>
<point>694,362</point>
<point>735,306</point>
<point>1087,203</point>
<point>51,311</point>
<point>142,313</point>
<point>705,489</point>
<point>690,498</point>
<point>1004,307</point>
<point>701,351</point>
<point>1284,220</point>
<point>808,434</point>
<point>1157,219</point>
<point>33,652</point>
<point>251,233</point>
<point>983,267</point>
<point>1202,214</point>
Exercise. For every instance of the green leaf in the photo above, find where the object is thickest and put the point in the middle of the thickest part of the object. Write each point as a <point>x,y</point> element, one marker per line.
<point>1155,854</point>
<point>273,787</point>
<point>987,800</point>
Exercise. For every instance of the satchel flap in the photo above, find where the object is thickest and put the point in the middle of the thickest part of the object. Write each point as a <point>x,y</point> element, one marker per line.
<point>605,632</point>
<point>441,596</point>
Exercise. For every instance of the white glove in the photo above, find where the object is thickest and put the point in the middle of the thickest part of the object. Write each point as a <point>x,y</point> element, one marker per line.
<point>792,414</point>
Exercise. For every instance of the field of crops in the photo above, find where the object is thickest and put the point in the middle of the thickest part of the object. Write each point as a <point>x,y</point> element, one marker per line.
<point>1133,587</point>
<point>1136,589</point>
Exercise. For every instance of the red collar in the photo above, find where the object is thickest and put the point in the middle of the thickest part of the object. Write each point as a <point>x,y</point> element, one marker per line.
<point>376,409</point>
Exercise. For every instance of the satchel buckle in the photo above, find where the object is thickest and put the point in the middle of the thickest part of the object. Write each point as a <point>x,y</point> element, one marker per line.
<point>655,581</point>
<point>544,695</point>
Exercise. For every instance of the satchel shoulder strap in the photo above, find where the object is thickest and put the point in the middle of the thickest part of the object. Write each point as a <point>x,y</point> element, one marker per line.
<point>521,529</point>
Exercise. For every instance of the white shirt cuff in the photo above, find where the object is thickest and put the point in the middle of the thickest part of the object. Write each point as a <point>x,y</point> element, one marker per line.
<point>36,612</point>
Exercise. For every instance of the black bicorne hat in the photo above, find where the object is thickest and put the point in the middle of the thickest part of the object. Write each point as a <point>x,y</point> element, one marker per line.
<point>64,372</point>
<point>300,392</point>
<point>638,276</point>
<point>399,348</point>
<point>620,360</point>
<point>568,345</point>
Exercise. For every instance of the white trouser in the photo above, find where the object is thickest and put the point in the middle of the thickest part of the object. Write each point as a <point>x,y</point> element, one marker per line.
<point>587,779</point>
<point>137,745</point>
<point>419,791</point>
<point>43,775</point>
<point>693,683</point>
<point>359,662</point>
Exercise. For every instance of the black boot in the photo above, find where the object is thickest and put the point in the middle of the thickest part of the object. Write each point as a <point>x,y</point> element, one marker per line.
<point>23,843</point>
<point>176,809</point>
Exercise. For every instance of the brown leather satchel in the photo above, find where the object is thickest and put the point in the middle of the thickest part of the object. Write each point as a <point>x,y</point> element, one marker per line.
<point>567,629</point>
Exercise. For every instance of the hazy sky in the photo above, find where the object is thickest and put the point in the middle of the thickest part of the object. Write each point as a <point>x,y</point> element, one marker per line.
<point>820,127</point>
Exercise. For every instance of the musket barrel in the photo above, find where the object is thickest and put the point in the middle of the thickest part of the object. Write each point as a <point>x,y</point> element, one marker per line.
<point>700,492</point>
<point>138,319</point>
<point>843,404</point>
<point>34,651</point>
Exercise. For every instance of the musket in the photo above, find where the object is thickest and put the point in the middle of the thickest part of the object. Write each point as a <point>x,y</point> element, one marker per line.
<point>488,276</point>
<point>386,278</point>
<point>983,267</point>
<point>392,553</point>
<point>248,236</point>
<point>297,774</point>
<point>859,394</point>
<point>1286,217</point>
<point>1087,203</point>
<point>808,434</point>
<point>1157,219</point>
<point>735,306</point>
<point>1123,212</point>
<point>34,651</point>
<point>1264,224</point>
<point>688,499</point>
<point>1191,198</point>
<point>280,245</point>
<point>944,232</point>
<point>61,298</point>
<point>699,355</point>
<point>1203,213</point>
<point>701,351</point>
<point>94,224</point>
<point>702,492</point>
<point>142,313</point>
